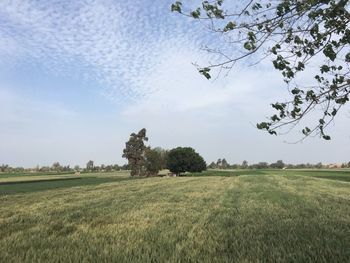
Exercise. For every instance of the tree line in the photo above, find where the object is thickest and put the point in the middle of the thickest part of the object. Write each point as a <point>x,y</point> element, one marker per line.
<point>223,164</point>
<point>56,167</point>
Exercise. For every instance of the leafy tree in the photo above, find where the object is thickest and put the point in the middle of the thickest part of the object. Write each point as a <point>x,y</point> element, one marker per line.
<point>108,168</point>
<point>319,165</point>
<point>260,165</point>
<point>153,161</point>
<point>56,166</point>
<point>296,35</point>
<point>234,166</point>
<point>116,167</point>
<point>278,165</point>
<point>185,159</point>
<point>4,167</point>
<point>224,164</point>
<point>44,169</point>
<point>90,165</point>
<point>212,165</point>
<point>218,163</point>
<point>163,156</point>
<point>77,168</point>
<point>135,152</point>
<point>244,164</point>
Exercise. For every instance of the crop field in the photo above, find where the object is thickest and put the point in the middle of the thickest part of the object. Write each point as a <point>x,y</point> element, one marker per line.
<point>216,216</point>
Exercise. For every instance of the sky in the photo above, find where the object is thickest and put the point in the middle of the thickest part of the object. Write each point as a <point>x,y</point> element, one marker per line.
<point>77,77</point>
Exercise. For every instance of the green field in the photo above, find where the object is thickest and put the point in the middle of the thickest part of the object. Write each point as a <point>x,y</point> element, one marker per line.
<point>219,216</point>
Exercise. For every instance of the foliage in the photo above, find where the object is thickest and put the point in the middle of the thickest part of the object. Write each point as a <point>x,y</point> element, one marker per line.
<point>4,167</point>
<point>212,165</point>
<point>296,35</point>
<point>224,164</point>
<point>135,152</point>
<point>163,156</point>
<point>260,165</point>
<point>244,164</point>
<point>153,161</point>
<point>185,159</point>
<point>278,165</point>
<point>59,169</point>
<point>56,167</point>
<point>90,165</point>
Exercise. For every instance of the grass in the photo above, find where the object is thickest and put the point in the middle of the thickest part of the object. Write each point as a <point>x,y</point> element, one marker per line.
<point>25,184</point>
<point>27,179</point>
<point>225,216</point>
<point>12,175</point>
<point>341,175</point>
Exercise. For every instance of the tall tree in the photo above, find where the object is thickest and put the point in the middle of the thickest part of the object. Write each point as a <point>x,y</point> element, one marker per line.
<point>90,165</point>
<point>135,152</point>
<point>296,35</point>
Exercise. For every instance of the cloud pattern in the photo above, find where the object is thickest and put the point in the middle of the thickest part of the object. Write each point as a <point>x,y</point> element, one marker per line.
<point>116,43</point>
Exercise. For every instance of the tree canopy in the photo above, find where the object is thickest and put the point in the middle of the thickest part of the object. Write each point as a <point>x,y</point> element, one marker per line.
<point>296,35</point>
<point>185,159</point>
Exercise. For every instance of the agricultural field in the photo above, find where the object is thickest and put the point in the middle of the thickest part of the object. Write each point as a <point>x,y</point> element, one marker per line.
<point>215,216</point>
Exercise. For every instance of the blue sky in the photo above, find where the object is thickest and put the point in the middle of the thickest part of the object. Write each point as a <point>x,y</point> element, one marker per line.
<point>77,77</point>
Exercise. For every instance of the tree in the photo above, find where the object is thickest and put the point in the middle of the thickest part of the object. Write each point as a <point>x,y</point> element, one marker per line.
<point>185,159</point>
<point>56,166</point>
<point>44,169</point>
<point>244,164</point>
<point>212,165</point>
<point>90,165</point>
<point>135,152</point>
<point>260,165</point>
<point>278,165</point>
<point>108,168</point>
<point>224,164</point>
<point>153,161</point>
<point>218,163</point>
<point>296,35</point>
<point>163,156</point>
<point>4,167</point>
<point>319,165</point>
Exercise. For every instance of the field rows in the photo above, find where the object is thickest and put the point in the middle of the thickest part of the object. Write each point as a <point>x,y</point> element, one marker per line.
<point>232,218</point>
